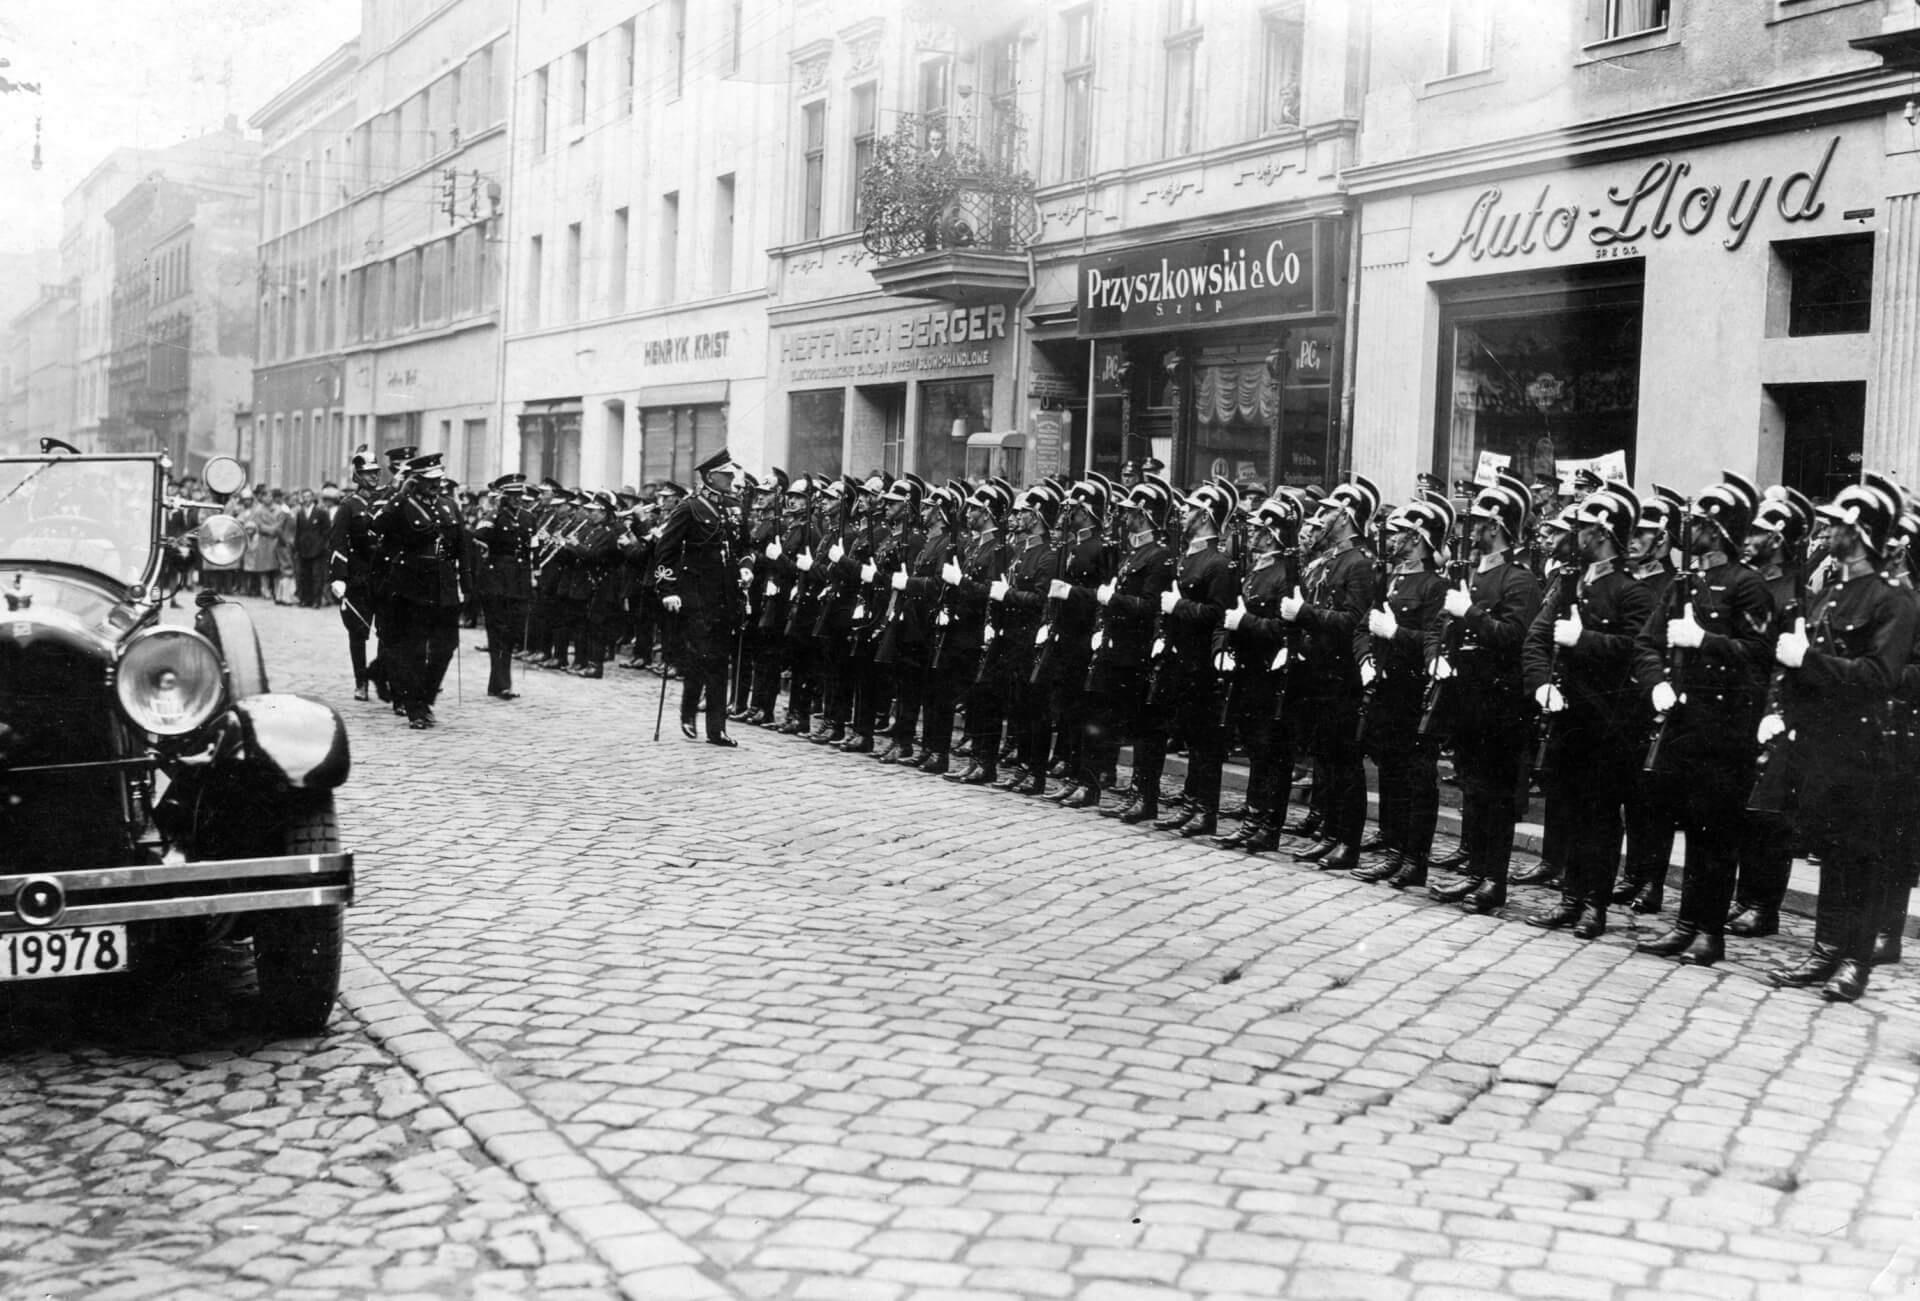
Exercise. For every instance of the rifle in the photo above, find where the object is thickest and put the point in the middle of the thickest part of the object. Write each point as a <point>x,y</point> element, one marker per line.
<point>991,636</point>
<point>1681,592</point>
<point>1433,706</point>
<point>1546,755</point>
<point>1043,657</point>
<point>1157,643</point>
<point>1381,578</point>
<point>1772,775</point>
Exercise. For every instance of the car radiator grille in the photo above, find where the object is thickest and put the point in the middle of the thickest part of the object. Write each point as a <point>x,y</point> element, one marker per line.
<point>56,708</point>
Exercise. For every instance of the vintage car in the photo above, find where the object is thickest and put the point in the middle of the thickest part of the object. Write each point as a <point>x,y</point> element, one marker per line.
<point>155,794</point>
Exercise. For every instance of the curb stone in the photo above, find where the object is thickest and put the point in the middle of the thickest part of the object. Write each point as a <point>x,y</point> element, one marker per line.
<point>648,1262</point>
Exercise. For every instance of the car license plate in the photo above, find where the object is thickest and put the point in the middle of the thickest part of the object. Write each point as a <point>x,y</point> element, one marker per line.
<point>67,951</point>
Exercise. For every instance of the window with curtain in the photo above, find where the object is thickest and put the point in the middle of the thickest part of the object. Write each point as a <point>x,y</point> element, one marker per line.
<point>1630,17</point>
<point>1076,135</point>
<point>1468,44</point>
<point>1283,33</point>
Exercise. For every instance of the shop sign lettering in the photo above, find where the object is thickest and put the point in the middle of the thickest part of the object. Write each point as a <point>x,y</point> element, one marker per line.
<point>1666,197</point>
<point>1259,275</point>
<point>929,341</point>
<point>682,348</point>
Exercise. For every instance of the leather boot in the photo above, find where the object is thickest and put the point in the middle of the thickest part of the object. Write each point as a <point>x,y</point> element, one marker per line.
<point>1142,809</point>
<point>1651,896</point>
<point>1014,777</point>
<point>1488,896</point>
<point>1264,839</point>
<point>822,732</point>
<point>1389,865</point>
<point>1754,921</point>
<point>1704,951</point>
<point>1129,801</point>
<point>793,726</point>
<point>1033,783</point>
<point>1452,862</point>
<point>963,748</point>
<point>1057,769</point>
<point>1455,890</point>
<point>1083,797</point>
<point>1344,858</point>
<point>980,774</point>
<point>1540,873</point>
<point>894,753</point>
<point>932,763</point>
<point>1203,824</point>
<point>1375,845</point>
<point>1564,913</point>
<point>1413,872</point>
<point>1239,812</point>
<point>1238,837</point>
<point>1673,943</point>
<point>1308,826</point>
<point>1626,888</point>
<point>1070,791</point>
<point>1848,983</point>
<point>1816,968</point>
<point>1176,818</point>
<point>857,743</point>
<point>1314,853</point>
<point>1593,922</point>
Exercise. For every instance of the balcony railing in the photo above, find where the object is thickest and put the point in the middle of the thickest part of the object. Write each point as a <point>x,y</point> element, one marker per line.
<point>921,196</point>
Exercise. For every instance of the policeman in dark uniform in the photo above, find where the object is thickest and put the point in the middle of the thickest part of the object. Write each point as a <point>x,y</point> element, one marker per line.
<point>1084,563</point>
<point>350,570</point>
<point>1844,661</point>
<point>1022,596</point>
<point>758,647</point>
<point>699,588</point>
<point>596,551</point>
<point>1703,657</point>
<point>1579,667</point>
<point>926,583</point>
<point>1122,642</point>
<point>506,564</point>
<point>425,541</point>
<point>1263,646</point>
<point>967,648</point>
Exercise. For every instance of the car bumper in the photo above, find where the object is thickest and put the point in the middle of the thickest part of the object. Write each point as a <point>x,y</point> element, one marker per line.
<point>116,895</point>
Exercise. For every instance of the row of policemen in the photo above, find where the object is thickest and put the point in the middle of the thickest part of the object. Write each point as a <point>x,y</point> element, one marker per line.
<point>1735,697</point>
<point>397,569</point>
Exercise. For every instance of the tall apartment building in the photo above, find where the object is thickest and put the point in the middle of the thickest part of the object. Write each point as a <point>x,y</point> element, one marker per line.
<point>648,175</point>
<point>1176,286</point>
<point>381,192</point>
<point>86,259</point>
<point>1674,234</point>
<point>40,369</point>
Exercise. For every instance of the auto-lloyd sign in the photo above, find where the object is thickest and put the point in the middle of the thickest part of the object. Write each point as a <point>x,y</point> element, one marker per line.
<point>1269,274</point>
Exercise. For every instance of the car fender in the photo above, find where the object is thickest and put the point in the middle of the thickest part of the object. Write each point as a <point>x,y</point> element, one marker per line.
<point>299,738</point>
<point>229,627</point>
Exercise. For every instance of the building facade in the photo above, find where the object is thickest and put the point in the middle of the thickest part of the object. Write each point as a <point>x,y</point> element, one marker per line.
<point>1662,238</point>
<point>381,189</point>
<point>647,173</point>
<point>86,259</point>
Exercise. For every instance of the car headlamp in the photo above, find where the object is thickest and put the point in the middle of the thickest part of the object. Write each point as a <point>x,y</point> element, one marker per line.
<point>221,540</point>
<point>169,681</point>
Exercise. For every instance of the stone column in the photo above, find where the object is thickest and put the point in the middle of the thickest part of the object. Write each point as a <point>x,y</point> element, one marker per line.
<point>1892,440</point>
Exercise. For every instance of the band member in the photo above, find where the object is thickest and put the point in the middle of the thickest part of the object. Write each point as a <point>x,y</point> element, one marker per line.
<point>351,568</point>
<point>506,564</point>
<point>1844,661</point>
<point>1578,661</point>
<point>1331,610</point>
<point>425,541</point>
<point>596,554</point>
<point>700,589</point>
<point>1476,646</point>
<point>1703,658</point>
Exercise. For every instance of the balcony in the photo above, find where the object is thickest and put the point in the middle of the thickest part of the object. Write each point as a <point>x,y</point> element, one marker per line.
<point>948,224</point>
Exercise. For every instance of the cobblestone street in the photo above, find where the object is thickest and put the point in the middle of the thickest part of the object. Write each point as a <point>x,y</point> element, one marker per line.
<point>779,1022</point>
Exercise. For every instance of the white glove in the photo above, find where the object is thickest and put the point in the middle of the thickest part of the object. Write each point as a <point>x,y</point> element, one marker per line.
<point>950,573</point>
<point>1169,599</point>
<point>1664,697</point>
<point>998,592</point>
<point>1685,632</point>
<point>1233,617</point>
<point>1771,726</point>
<point>1104,592</point>
<point>834,553</point>
<point>867,572</point>
<point>899,580</point>
<point>1791,649</point>
<point>1279,660</point>
<point>1458,602</point>
<point>775,550</point>
<point>1059,589</point>
<point>1223,661</point>
<point>1381,623</point>
<point>1291,606</point>
<point>1043,634</point>
<point>804,561</point>
<point>1442,669</point>
<point>339,590</point>
<point>1567,631</point>
<point>1368,673</point>
<point>746,575</point>
<point>671,604</point>
<point>1550,698</point>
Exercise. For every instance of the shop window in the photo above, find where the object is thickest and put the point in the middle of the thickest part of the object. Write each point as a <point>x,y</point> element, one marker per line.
<point>1283,33</point>
<point>950,411</point>
<point>1632,17</point>
<point>1821,286</point>
<point>1530,379</point>
<point>1819,429</point>
<point>815,425</point>
<point>1468,42</point>
<point>675,439</point>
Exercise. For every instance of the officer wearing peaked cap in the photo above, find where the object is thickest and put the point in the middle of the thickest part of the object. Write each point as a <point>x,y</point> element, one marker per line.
<point>1841,665</point>
<point>506,568</point>
<point>1703,657</point>
<point>425,542</point>
<point>352,565</point>
<point>698,586</point>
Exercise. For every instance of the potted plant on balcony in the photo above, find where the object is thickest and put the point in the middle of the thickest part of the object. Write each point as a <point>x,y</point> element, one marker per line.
<point>922,193</point>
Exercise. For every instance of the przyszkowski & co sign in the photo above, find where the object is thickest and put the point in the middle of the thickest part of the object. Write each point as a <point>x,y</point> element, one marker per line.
<point>1270,274</point>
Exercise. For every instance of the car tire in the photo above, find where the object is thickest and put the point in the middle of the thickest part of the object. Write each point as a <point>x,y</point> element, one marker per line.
<point>296,951</point>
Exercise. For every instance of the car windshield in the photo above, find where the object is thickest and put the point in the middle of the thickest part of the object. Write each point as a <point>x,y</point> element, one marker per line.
<point>94,512</point>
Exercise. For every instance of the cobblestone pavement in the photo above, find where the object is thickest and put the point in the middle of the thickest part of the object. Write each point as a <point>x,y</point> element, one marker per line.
<point>778,1022</point>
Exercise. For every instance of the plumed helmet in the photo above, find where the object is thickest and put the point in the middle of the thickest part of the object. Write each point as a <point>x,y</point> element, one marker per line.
<point>994,496</point>
<point>1358,499</point>
<point>1785,511</point>
<point>1095,492</point>
<point>799,489</point>
<point>1866,507</point>
<point>1506,502</point>
<point>1153,497</point>
<point>1663,509</point>
<point>1729,506</point>
<point>1431,516</point>
<point>1614,508</point>
<point>1217,501</point>
<point>910,488</point>
<point>950,503</point>
<point>1281,513</point>
<point>364,461</point>
<point>1043,499</point>
<point>779,480</point>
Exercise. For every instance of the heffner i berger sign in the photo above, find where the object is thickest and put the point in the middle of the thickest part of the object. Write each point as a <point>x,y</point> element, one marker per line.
<point>1268,274</point>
